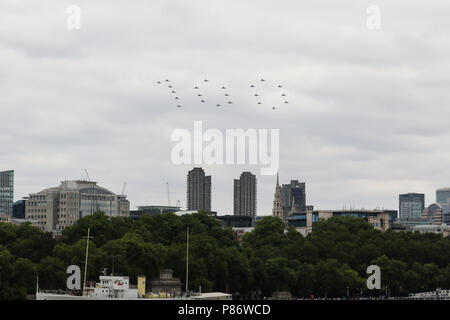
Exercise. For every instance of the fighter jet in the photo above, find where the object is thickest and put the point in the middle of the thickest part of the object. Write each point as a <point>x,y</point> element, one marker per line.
<point>199,95</point>
<point>170,87</point>
<point>283,95</point>
<point>273,108</point>
<point>259,102</point>
<point>256,95</point>
<point>226,94</point>
<point>179,106</point>
<point>206,80</point>
<point>167,80</point>
<point>252,86</point>
<point>286,102</point>
<point>173,91</point>
<point>280,86</point>
<point>195,87</point>
<point>263,79</point>
<point>223,88</point>
<point>159,82</point>
<point>218,105</point>
<point>229,102</point>
<point>202,101</point>
<point>176,98</point>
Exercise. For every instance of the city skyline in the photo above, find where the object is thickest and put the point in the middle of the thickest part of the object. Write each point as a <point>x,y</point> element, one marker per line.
<point>430,198</point>
<point>6,192</point>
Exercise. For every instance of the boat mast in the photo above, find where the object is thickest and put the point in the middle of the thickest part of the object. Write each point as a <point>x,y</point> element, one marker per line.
<point>187,259</point>
<point>86,262</point>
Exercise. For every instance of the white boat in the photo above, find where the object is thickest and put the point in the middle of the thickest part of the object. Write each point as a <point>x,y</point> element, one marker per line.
<point>118,288</point>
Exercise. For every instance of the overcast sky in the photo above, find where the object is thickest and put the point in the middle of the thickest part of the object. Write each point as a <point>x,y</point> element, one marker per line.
<point>368,114</point>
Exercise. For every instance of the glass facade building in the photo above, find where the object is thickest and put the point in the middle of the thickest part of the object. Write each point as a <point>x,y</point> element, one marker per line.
<point>19,209</point>
<point>296,190</point>
<point>298,220</point>
<point>6,192</point>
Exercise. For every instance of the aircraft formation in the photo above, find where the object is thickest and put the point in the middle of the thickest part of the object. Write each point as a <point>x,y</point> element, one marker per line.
<point>198,91</point>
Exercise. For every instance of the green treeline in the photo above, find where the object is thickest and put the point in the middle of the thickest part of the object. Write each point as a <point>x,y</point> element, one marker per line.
<point>333,257</point>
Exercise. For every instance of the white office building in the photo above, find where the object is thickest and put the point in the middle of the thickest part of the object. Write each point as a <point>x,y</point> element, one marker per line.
<point>59,207</point>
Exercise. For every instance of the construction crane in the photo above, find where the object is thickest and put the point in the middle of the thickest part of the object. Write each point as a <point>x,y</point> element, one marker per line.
<point>87,175</point>
<point>168,194</point>
<point>93,192</point>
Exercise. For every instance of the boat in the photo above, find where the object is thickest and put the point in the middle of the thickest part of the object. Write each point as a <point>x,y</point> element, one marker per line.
<point>118,288</point>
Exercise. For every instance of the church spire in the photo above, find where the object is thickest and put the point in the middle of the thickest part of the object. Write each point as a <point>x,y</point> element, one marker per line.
<point>277,210</point>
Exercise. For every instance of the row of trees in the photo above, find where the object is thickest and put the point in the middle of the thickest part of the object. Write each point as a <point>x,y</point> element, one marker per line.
<point>329,262</point>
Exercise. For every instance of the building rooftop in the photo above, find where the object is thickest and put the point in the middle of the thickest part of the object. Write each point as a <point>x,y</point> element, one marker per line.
<point>158,207</point>
<point>431,226</point>
<point>88,187</point>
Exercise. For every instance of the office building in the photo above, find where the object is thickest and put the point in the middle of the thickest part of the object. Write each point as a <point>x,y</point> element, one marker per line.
<point>244,203</point>
<point>290,199</point>
<point>60,207</point>
<point>198,190</point>
<point>152,210</point>
<point>294,190</point>
<point>304,221</point>
<point>19,209</point>
<point>446,217</point>
<point>432,228</point>
<point>189,212</point>
<point>235,221</point>
<point>6,218</point>
<point>277,209</point>
<point>443,196</point>
<point>411,206</point>
<point>443,199</point>
<point>6,192</point>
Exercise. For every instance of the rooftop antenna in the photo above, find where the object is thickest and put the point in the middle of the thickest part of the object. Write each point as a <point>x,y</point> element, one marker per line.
<point>92,202</point>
